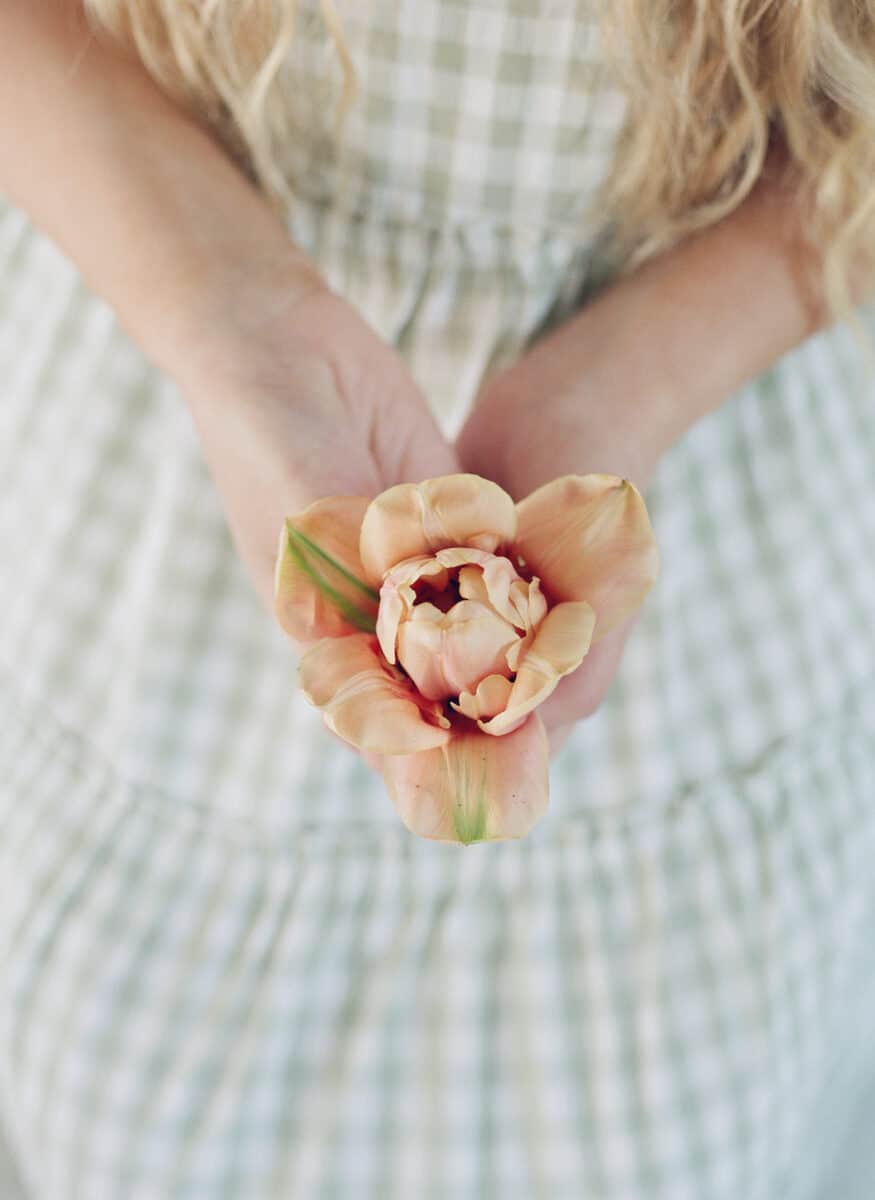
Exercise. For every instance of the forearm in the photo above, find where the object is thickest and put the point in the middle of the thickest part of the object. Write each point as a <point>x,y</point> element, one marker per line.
<point>156,217</point>
<point>619,382</point>
<point>694,325</point>
<point>674,339</point>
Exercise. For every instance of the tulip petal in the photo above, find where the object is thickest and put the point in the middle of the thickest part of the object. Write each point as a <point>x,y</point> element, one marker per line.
<point>497,583</point>
<point>475,788</point>
<point>419,652</point>
<point>448,653</point>
<point>475,643</point>
<point>366,702</point>
<point>303,608</point>
<point>420,518</point>
<point>589,538</point>
<point>490,698</point>
<point>529,600</point>
<point>559,647</point>
<point>397,597</point>
<point>519,601</point>
<point>499,574</point>
<point>458,556</point>
<point>518,649</point>
<point>472,585</point>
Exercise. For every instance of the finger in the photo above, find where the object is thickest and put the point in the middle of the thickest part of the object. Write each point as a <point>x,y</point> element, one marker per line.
<point>420,451</point>
<point>557,736</point>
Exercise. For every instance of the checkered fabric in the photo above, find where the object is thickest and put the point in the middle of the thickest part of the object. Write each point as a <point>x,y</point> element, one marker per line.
<point>226,971</point>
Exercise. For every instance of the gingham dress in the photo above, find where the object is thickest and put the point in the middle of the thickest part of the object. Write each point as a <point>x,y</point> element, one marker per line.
<point>226,971</point>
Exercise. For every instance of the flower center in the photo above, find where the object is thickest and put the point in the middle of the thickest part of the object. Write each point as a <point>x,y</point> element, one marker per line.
<point>442,598</point>
<point>457,618</point>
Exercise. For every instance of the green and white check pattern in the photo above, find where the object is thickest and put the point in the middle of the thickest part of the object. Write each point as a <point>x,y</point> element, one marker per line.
<point>226,972</point>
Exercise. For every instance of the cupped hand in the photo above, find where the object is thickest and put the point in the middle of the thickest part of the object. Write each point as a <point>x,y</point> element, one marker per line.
<point>298,399</point>
<point>303,400</point>
<point>565,408</point>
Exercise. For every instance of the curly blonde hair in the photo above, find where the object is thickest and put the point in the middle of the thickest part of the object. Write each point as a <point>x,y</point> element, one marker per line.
<point>711,85</point>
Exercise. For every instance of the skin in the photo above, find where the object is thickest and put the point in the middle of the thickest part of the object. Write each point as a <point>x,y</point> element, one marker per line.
<point>293,396</point>
<point>622,380</point>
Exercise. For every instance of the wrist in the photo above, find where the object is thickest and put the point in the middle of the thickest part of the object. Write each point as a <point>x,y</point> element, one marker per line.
<point>634,387</point>
<point>695,324</point>
<point>217,325</point>
<point>523,434</point>
<point>587,398</point>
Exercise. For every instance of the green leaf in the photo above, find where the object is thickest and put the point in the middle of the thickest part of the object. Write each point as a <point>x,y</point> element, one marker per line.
<point>315,548</point>
<point>349,611</point>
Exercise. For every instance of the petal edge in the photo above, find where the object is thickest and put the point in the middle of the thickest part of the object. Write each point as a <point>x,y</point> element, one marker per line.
<point>559,646</point>
<point>475,788</point>
<point>363,701</point>
<point>412,519</point>
<point>302,609</point>
<point>589,538</point>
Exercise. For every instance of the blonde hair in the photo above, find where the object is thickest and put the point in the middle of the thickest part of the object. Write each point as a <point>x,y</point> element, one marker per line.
<point>710,85</point>
<point>223,59</point>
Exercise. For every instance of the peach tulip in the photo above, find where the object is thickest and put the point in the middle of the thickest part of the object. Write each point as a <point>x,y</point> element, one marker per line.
<point>443,614</point>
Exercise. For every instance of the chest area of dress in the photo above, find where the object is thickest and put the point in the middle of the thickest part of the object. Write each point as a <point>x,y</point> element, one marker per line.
<point>497,109</point>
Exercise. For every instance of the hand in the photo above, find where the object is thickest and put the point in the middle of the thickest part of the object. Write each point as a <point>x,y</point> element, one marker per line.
<point>299,399</point>
<point>570,406</point>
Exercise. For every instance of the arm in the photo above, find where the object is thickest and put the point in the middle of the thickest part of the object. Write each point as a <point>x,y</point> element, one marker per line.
<point>156,217</point>
<point>623,379</point>
<point>657,350</point>
<point>293,396</point>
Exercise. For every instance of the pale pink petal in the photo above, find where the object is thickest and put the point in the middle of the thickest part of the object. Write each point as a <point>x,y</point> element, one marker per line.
<point>472,586</point>
<point>424,611</point>
<point>589,538</point>
<point>518,649</point>
<point>421,566</point>
<point>491,698</point>
<point>559,647</point>
<point>397,597</point>
<point>419,652</point>
<point>474,788</point>
<point>301,608</point>
<point>476,640</point>
<point>518,601</point>
<point>499,575</point>
<point>450,654</point>
<point>393,607</point>
<point>364,701</point>
<point>534,606</point>
<point>452,510</point>
<point>460,556</point>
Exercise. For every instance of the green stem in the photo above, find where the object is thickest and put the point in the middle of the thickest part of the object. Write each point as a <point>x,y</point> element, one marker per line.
<point>315,548</point>
<point>355,616</point>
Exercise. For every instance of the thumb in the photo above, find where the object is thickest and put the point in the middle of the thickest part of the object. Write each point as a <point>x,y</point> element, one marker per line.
<point>419,451</point>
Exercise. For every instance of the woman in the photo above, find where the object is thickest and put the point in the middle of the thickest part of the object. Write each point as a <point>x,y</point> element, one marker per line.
<point>423,238</point>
